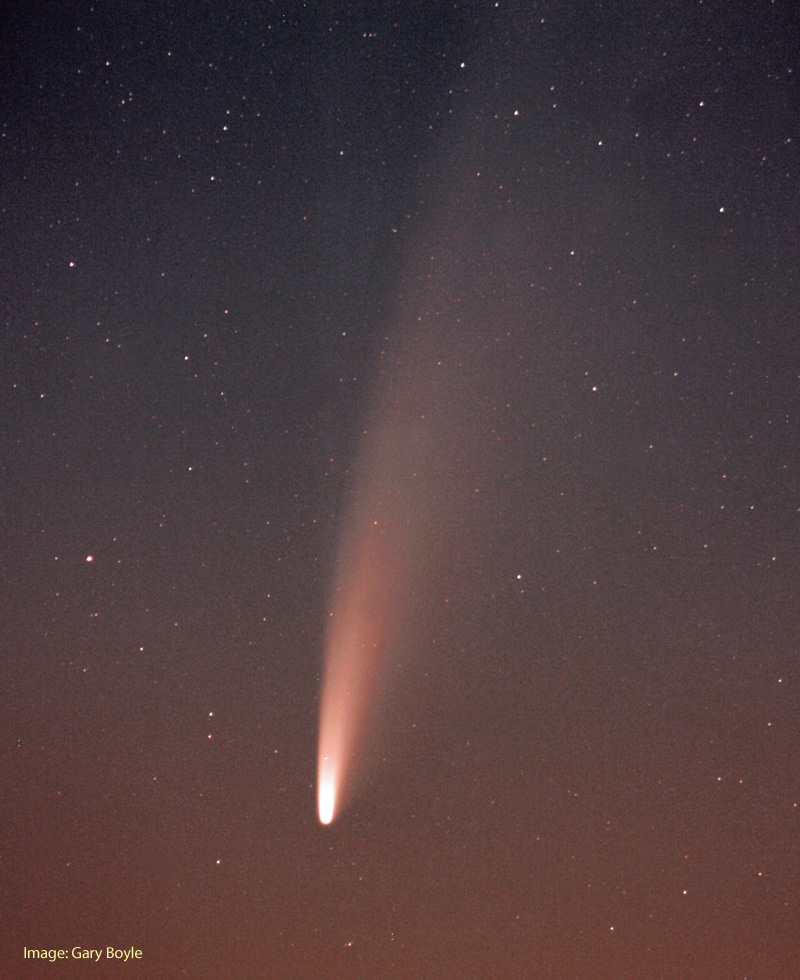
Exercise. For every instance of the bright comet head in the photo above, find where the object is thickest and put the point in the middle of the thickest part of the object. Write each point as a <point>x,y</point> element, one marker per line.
<point>327,792</point>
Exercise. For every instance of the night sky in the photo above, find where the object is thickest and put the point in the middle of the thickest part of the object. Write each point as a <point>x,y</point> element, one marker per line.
<point>535,265</point>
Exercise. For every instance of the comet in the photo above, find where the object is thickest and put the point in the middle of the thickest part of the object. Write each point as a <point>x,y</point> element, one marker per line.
<point>430,443</point>
<point>410,481</point>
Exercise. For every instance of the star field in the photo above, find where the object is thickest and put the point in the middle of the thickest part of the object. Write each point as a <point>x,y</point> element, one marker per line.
<point>555,246</point>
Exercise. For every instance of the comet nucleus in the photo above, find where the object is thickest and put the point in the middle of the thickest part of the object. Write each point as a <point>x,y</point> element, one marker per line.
<point>327,790</point>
